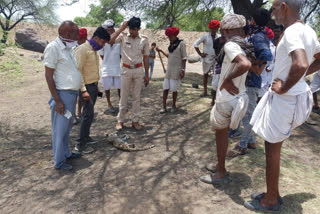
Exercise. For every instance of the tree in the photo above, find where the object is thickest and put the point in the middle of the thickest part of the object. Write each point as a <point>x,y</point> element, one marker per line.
<point>194,21</point>
<point>12,12</point>
<point>167,12</point>
<point>98,14</point>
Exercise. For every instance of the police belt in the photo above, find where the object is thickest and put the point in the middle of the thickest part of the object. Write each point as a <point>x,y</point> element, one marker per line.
<point>132,66</point>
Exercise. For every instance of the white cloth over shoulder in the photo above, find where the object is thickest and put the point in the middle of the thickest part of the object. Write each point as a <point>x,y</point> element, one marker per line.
<point>276,115</point>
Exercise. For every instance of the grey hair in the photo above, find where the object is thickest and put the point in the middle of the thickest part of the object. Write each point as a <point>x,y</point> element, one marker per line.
<point>293,4</point>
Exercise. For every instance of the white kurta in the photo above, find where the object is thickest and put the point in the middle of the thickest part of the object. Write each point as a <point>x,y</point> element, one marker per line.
<point>276,115</point>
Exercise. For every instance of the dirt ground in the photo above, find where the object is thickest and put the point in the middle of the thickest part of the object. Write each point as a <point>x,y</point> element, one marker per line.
<point>164,179</point>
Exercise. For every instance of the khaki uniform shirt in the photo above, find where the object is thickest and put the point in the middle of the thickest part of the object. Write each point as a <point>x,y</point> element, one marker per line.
<point>133,49</point>
<point>88,64</point>
<point>175,62</point>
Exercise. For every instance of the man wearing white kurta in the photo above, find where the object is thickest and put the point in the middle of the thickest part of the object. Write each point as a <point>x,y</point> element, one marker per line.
<point>288,103</point>
<point>208,54</point>
<point>232,100</point>
<point>110,70</point>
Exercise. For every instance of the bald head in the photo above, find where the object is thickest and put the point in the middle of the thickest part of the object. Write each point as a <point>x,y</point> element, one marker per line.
<point>69,30</point>
<point>294,5</point>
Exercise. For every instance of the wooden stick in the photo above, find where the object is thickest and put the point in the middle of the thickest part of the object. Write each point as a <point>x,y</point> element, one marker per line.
<point>164,70</point>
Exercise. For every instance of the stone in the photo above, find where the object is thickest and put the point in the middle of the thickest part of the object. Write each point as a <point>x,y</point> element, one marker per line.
<point>29,40</point>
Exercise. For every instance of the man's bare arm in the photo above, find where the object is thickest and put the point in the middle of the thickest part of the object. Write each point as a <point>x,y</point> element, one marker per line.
<point>117,33</point>
<point>298,68</point>
<point>241,67</point>
<point>315,66</point>
<point>59,107</point>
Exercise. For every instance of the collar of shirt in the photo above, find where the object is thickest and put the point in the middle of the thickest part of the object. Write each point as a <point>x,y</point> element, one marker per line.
<point>129,35</point>
<point>60,43</point>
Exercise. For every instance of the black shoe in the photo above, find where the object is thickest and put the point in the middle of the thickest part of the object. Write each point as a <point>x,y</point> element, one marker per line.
<point>65,166</point>
<point>90,141</point>
<point>85,150</point>
<point>74,156</point>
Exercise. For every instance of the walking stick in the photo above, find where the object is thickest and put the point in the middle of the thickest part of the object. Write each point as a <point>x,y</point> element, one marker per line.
<point>164,70</point>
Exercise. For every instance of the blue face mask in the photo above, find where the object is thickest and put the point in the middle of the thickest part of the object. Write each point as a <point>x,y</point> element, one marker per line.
<point>94,44</point>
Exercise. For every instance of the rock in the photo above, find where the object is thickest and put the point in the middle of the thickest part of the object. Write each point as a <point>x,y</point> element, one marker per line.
<point>29,40</point>
<point>21,54</point>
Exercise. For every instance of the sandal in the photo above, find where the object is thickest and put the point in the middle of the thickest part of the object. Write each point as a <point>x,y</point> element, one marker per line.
<point>259,196</point>
<point>163,110</point>
<point>236,151</point>
<point>256,206</point>
<point>209,179</point>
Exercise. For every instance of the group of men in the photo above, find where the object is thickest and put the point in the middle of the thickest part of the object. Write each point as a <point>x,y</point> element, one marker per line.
<point>242,63</point>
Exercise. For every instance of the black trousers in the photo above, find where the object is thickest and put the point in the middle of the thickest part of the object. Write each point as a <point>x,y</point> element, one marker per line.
<point>87,113</point>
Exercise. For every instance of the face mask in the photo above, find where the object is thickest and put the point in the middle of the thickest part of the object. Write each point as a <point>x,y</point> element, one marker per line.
<point>94,45</point>
<point>69,42</point>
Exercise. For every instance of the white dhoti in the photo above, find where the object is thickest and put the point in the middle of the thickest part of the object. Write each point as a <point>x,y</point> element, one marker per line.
<point>215,81</point>
<point>229,114</point>
<point>315,84</point>
<point>276,115</point>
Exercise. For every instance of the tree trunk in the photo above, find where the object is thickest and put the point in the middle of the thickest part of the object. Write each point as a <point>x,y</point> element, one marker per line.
<point>4,36</point>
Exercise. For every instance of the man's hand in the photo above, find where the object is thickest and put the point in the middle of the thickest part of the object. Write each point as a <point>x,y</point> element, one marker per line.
<point>158,49</point>
<point>203,55</point>
<point>277,86</point>
<point>124,25</point>
<point>59,107</point>
<point>230,87</point>
<point>86,96</point>
<point>182,73</point>
<point>146,81</point>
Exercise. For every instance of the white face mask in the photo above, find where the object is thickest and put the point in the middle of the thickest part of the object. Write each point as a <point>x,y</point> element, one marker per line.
<point>69,43</point>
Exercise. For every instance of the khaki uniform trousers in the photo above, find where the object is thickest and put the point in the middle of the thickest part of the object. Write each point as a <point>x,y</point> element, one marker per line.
<point>131,80</point>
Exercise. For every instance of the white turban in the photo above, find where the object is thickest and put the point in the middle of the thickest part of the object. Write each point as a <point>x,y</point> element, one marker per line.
<point>233,21</point>
<point>108,24</point>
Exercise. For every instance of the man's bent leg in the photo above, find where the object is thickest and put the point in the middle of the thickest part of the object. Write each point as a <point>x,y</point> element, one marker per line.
<point>273,151</point>
<point>222,147</point>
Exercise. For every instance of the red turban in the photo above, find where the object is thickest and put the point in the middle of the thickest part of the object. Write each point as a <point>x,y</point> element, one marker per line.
<point>270,33</point>
<point>83,33</point>
<point>214,24</point>
<point>172,31</point>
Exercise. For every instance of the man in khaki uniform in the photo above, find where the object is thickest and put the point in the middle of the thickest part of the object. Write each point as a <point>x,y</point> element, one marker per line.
<point>135,57</point>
